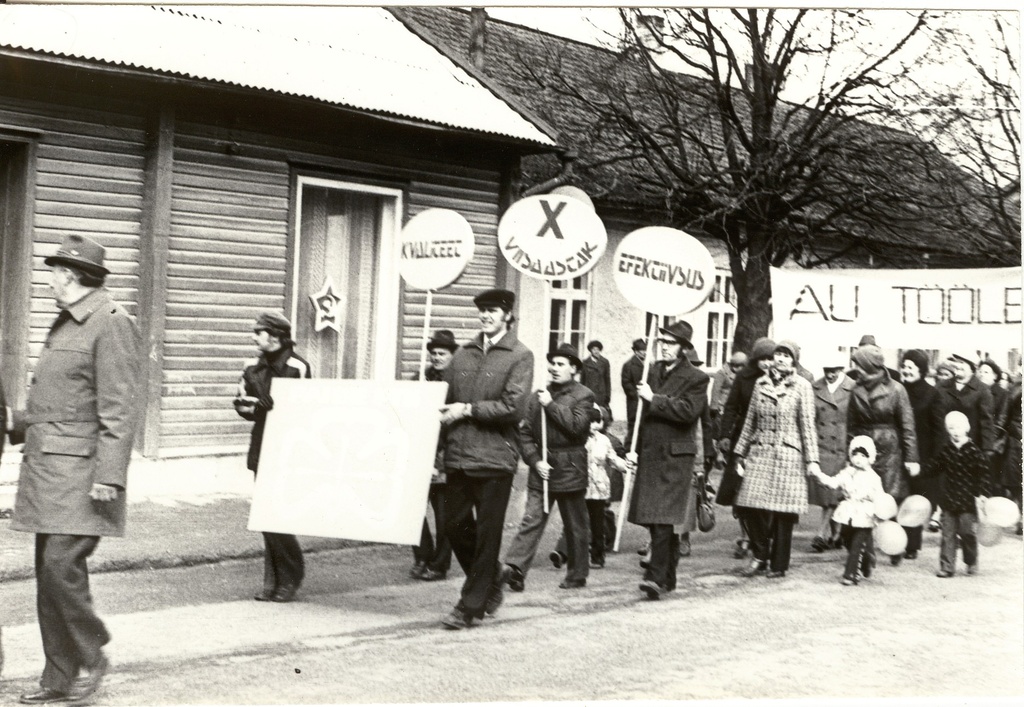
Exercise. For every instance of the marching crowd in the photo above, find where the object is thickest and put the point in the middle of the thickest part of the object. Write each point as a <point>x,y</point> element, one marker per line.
<point>783,440</point>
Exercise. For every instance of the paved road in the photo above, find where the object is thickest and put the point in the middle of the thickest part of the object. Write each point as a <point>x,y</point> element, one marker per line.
<point>364,633</point>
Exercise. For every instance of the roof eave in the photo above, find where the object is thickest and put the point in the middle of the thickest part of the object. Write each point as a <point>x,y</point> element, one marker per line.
<point>523,145</point>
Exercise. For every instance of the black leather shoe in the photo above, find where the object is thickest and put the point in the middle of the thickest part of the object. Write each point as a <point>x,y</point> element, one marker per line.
<point>416,571</point>
<point>284,594</point>
<point>494,601</point>
<point>456,621</point>
<point>557,559</point>
<point>44,697</point>
<point>85,687</point>
<point>775,574</point>
<point>513,577</point>
<point>572,583</point>
<point>652,589</point>
<point>429,575</point>
<point>265,595</point>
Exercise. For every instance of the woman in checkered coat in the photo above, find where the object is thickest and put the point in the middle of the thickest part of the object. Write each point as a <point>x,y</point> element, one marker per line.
<point>777,451</point>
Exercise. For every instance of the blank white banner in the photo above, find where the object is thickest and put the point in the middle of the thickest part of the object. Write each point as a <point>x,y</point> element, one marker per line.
<point>348,459</point>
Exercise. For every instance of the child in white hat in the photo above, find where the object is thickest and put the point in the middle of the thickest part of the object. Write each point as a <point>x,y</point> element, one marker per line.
<point>861,487</point>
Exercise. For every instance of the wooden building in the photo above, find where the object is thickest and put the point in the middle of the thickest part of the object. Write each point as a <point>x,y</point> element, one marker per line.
<point>233,162</point>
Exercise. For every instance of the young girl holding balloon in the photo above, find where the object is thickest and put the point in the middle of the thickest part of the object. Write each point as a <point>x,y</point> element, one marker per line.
<point>861,488</point>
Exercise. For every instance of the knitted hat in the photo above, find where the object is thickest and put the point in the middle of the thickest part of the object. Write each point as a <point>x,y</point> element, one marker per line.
<point>865,444</point>
<point>867,340</point>
<point>274,324</point>
<point>762,348</point>
<point>869,358</point>
<point>994,366</point>
<point>789,347</point>
<point>920,359</point>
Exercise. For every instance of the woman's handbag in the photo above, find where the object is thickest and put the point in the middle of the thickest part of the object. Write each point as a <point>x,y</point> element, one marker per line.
<point>705,506</point>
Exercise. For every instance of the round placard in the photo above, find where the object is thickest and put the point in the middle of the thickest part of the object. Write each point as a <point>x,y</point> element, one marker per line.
<point>437,244</point>
<point>664,270</point>
<point>552,237</point>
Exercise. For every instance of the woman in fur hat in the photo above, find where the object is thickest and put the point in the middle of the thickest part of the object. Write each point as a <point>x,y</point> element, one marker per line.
<point>880,408</point>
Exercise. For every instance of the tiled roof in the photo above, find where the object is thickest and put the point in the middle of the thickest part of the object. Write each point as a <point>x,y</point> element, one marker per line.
<point>361,58</point>
<point>862,158</point>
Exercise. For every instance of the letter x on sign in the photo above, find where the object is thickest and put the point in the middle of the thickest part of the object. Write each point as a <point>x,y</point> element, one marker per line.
<point>551,219</point>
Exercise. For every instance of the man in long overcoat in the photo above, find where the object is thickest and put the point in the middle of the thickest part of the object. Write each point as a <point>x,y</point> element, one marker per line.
<point>596,374</point>
<point>675,395</point>
<point>78,428</point>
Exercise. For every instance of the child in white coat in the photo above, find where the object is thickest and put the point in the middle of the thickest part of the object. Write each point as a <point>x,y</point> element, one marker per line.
<point>861,487</point>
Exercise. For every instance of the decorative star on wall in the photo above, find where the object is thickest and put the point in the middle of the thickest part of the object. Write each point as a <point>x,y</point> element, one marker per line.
<point>327,307</point>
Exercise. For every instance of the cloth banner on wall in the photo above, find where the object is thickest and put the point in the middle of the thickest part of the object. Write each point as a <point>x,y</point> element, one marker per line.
<point>927,309</point>
<point>348,459</point>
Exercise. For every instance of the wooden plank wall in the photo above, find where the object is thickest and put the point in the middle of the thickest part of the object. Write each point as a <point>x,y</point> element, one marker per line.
<point>88,181</point>
<point>228,260</point>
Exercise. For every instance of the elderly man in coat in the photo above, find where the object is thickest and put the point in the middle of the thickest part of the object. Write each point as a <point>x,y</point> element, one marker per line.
<point>675,396</point>
<point>78,429</point>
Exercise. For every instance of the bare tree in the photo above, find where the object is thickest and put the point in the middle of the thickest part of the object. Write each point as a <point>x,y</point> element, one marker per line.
<point>690,120</point>
<point>978,121</point>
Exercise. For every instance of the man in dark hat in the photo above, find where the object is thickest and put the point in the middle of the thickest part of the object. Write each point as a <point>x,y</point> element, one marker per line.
<point>632,375</point>
<point>82,406</point>
<point>564,406</point>
<point>676,397</point>
<point>596,374</point>
<point>432,559</point>
<point>488,381</point>
<point>283,565</point>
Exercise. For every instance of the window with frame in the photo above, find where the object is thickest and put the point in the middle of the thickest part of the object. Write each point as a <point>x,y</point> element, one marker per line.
<point>721,309</point>
<point>569,312</point>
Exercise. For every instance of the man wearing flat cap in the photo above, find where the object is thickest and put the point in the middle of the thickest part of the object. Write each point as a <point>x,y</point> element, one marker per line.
<point>966,394</point>
<point>488,381</point>
<point>78,428</point>
<point>564,406</point>
<point>675,397</point>
<point>283,565</point>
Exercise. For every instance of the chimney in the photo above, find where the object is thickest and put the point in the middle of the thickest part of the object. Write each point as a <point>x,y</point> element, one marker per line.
<point>650,29</point>
<point>477,37</point>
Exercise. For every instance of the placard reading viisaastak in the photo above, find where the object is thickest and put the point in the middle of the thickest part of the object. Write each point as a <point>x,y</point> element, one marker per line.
<point>940,309</point>
<point>348,459</point>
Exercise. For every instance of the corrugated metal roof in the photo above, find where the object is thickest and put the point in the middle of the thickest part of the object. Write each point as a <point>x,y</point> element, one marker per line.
<point>359,57</point>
